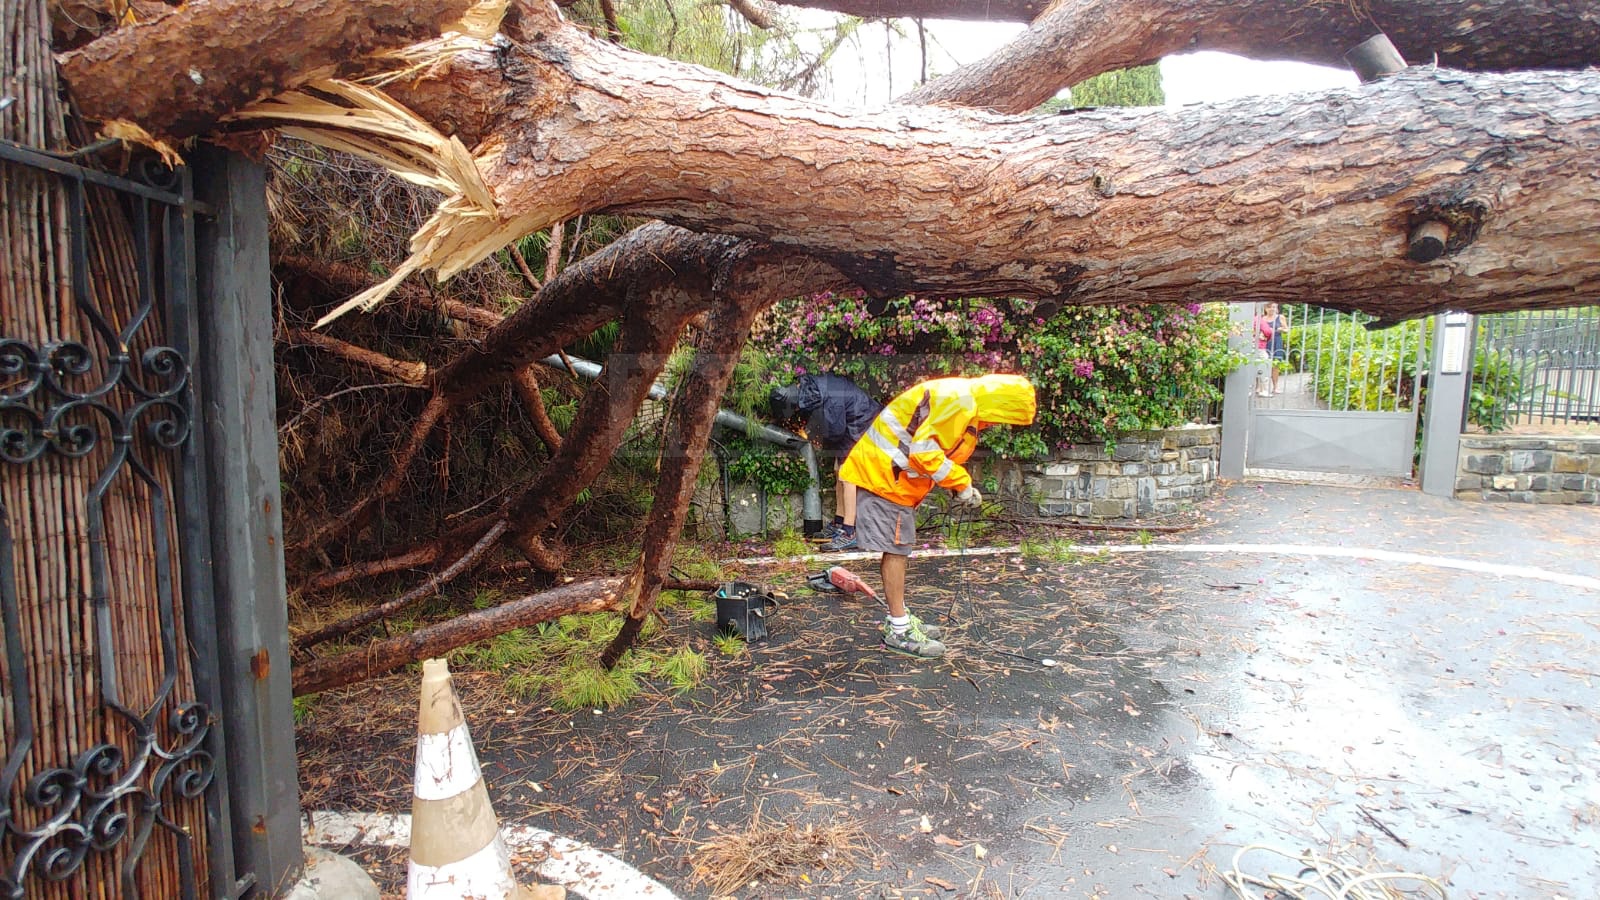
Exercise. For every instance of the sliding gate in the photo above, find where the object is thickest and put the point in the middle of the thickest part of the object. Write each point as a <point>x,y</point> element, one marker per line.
<point>1343,399</point>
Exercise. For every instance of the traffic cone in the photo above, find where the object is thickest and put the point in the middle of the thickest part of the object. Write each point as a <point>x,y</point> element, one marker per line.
<point>456,848</point>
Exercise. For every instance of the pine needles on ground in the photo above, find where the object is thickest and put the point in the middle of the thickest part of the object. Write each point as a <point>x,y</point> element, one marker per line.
<point>769,850</point>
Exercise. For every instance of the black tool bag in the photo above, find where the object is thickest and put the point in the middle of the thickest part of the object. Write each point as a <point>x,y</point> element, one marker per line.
<point>742,609</point>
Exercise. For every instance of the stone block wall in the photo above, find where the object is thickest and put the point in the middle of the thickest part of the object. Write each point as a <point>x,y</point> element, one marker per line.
<point>1528,469</point>
<point>1147,473</point>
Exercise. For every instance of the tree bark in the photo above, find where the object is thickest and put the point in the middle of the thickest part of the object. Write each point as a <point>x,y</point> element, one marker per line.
<point>1304,198</point>
<point>178,75</point>
<point>683,448</point>
<point>383,656</point>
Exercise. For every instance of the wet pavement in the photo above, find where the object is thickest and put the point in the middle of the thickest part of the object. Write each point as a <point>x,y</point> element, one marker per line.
<point>1387,714</point>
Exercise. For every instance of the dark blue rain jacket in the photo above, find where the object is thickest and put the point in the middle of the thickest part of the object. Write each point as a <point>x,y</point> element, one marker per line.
<point>839,411</point>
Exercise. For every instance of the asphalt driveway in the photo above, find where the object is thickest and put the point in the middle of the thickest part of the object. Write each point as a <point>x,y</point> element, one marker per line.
<point>1260,680</point>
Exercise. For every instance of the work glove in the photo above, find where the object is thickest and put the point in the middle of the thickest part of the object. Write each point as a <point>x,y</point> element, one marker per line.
<point>969,497</point>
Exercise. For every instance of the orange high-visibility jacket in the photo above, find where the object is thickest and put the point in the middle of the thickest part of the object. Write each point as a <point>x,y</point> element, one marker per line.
<point>924,435</point>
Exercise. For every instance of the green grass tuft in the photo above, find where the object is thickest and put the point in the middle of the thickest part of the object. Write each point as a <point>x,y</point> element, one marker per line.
<point>790,544</point>
<point>684,669</point>
<point>584,685</point>
<point>730,645</point>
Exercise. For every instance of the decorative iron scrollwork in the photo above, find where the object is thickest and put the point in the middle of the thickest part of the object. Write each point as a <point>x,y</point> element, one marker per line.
<point>112,406</point>
<point>40,410</point>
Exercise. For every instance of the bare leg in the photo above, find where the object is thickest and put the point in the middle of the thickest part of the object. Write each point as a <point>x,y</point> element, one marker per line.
<point>893,569</point>
<point>845,502</point>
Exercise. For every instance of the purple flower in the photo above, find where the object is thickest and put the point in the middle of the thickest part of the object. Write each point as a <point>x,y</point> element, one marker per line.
<point>1082,368</point>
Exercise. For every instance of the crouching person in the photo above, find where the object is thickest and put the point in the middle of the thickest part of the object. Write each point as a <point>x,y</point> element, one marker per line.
<point>920,440</point>
<point>835,414</point>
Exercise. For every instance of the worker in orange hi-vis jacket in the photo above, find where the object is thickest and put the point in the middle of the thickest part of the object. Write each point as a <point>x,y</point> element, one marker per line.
<point>920,440</point>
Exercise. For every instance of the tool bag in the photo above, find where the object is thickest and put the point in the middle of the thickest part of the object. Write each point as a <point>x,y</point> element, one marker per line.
<point>742,609</point>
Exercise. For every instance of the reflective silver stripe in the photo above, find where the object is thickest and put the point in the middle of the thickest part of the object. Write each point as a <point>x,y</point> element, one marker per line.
<point>944,470</point>
<point>895,426</point>
<point>925,446</point>
<point>895,455</point>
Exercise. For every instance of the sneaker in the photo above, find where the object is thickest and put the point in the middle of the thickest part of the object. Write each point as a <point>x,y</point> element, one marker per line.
<point>841,542</point>
<point>912,642</point>
<point>828,533</point>
<point>928,631</point>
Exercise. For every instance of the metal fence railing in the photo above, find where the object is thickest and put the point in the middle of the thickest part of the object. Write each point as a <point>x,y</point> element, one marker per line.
<point>1536,367</point>
<point>1318,358</point>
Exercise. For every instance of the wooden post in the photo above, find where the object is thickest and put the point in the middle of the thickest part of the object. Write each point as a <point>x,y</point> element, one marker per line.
<point>239,409</point>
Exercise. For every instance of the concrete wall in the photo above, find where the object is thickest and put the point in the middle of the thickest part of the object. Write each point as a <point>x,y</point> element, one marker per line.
<point>1148,473</point>
<point>744,511</point>
<point>1528,469</point>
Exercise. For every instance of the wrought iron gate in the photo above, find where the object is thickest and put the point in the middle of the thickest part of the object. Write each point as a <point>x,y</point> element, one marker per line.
<point>113,781</point>
<point>1332,396</point>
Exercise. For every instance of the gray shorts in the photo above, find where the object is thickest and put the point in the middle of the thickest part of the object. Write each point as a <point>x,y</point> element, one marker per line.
<point>884,526</point>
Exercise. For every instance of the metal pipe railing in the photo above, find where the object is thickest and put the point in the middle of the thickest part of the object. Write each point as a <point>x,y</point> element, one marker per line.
<point>811,503</point>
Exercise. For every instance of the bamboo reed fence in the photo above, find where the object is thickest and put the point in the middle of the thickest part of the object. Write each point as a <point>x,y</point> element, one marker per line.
<point>93,564</point>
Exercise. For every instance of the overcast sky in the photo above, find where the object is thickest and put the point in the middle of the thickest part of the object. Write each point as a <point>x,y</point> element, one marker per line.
<point>862,74</point>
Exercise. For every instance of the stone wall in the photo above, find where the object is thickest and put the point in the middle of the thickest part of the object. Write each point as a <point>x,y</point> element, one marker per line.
<point>1528,469</point>
<point>1147,473</point>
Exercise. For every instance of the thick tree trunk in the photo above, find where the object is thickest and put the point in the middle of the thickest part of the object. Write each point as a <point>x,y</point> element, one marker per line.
<point>1292,197</point>
<point>383,656</point>
<point>1307,198</point>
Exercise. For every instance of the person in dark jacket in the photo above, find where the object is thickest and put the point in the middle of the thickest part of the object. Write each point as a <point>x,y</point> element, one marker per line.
<point>835,413</point>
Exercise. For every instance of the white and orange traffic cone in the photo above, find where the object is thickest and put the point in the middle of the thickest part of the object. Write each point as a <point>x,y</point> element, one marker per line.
<point>456,848</point>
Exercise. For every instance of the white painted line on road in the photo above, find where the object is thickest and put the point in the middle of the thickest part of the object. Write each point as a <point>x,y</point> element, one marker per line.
<point>584,870</point>
<point>1301,550</point>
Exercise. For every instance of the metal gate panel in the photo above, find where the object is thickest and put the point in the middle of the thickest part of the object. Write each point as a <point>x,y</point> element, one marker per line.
<point>112,778</point>
<point>1331,395</point>
<point>1354,443</point>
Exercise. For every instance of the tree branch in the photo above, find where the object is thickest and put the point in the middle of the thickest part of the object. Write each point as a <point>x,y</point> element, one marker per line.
<point>683,448</point>
<point>390,607</point>
<point>413,373</point>
<point>533,401</point>
<point>383,656</point>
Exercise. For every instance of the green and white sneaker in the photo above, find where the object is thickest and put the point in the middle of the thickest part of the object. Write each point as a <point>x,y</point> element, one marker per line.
<point>933,632</point>
<point>914,641</point>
